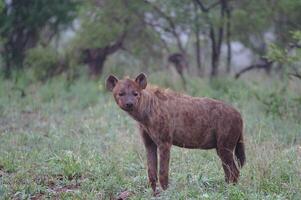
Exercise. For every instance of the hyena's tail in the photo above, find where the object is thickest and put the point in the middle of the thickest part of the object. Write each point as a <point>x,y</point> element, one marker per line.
<point>240,152</point>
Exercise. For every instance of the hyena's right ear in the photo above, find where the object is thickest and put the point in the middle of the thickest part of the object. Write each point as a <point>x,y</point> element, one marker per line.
<point>141,80</point>
<point>111,82</point>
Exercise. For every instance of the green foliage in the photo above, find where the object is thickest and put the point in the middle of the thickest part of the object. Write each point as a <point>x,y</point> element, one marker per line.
<point>296,35</point>
<point>1,6</point>
<point>44,61</point>
<point>280,55</point>
<point>250,29</point>
<point>274,103</point>
<point>101,25</point>
<point>277,54</point>
<point>278,101</point>
<point>22,24</point>
<point>69,164</point>
<point>288,57</point>
<point>149,29</point>
<point>235,193</point>
<point>230,90</point>
<point>7,163</point>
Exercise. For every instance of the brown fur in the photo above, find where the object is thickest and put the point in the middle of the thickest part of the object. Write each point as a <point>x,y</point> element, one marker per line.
<point>167,118</point>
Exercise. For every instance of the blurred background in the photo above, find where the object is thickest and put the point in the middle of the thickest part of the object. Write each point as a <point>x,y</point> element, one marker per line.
<point>63,137</point>
<point>199,38</point>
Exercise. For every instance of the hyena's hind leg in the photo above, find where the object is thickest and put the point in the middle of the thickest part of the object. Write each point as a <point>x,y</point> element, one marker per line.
<point>231,171</point>
<point>226,145</point>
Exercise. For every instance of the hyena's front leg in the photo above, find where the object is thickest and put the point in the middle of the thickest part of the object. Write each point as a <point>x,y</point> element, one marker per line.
<point>152,161</point>
<point>164,151</point>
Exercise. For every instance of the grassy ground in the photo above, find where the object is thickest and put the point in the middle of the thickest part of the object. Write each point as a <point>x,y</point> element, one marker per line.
<point>70,141</point>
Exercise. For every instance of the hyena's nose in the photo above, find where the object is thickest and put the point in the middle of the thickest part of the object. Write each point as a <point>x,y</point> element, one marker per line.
<point>129,105</point>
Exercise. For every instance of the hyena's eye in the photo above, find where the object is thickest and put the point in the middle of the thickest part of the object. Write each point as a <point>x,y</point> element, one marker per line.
<point>121,94</point>
<point>135,94</point>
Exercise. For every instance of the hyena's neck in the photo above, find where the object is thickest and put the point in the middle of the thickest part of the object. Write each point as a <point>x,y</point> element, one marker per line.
<point>147,105</point>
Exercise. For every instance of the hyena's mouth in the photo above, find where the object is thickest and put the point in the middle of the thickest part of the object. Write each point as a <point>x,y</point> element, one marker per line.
<point>127,109</point>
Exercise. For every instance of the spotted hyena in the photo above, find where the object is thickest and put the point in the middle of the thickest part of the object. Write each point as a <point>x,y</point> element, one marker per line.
<point>168,118</point>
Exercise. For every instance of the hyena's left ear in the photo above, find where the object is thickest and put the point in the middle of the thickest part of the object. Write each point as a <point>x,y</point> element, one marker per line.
<point>111,82</point>
<point>141,80</point>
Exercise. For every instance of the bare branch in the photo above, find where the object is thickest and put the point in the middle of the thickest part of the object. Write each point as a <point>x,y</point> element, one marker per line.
<point>171,24</point>
<point>117,44</point>
<point>203,8</point>
<point>213,5</point>
<point>262,63</point>
<point>295,75</point>
<point>294,46</point>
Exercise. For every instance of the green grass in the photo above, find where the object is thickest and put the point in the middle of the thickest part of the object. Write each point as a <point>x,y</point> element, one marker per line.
<point>70,141</point>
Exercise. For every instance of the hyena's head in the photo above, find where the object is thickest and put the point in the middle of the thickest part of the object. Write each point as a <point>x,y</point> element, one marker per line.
<point>127,92</point>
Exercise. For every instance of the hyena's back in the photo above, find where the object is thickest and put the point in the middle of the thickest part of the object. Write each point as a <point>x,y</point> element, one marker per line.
<point>203,122</point>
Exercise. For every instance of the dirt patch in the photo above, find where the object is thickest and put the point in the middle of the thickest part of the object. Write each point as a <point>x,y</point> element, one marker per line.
<point>56,191</point>
<point>124,195</point>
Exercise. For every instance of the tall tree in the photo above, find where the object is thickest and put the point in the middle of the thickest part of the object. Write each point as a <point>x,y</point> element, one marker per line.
<point>171,21</point>
<point>215,22</point>
<point>109,26</point>
<point>228,11</point>
<point>197,32</point>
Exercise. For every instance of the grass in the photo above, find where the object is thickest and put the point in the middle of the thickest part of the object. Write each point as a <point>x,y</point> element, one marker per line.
<point>70,141</point>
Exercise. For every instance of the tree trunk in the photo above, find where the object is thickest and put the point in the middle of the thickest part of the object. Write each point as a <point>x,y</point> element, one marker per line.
<point>228,38</point>
<point>7,68</point>
<point>214,64</point>
<point>197,42</point>
<point>198,55</point>
<point>216,42</point>
<point>229,55</point>
<point>180,63</point>
<point>95,58</point>
<point>214,54</point>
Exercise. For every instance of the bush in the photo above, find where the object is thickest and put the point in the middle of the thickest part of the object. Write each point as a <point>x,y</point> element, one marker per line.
<point>280,103</point>
<point>44,62</point>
